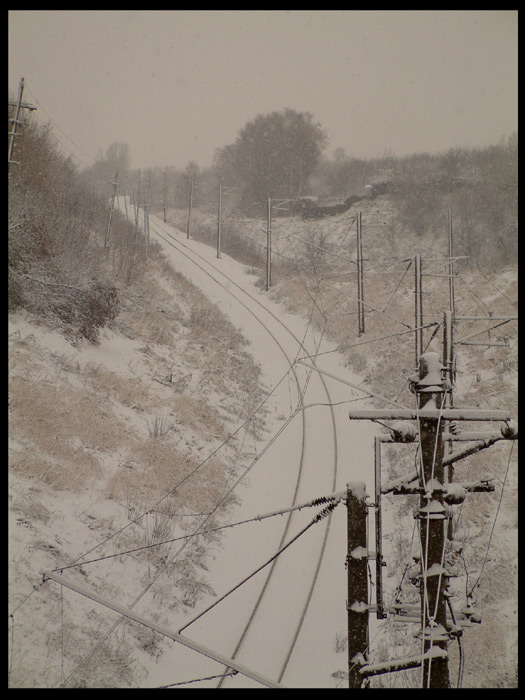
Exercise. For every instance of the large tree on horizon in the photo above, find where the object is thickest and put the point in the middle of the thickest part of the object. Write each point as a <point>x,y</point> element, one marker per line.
<point>273,155</point>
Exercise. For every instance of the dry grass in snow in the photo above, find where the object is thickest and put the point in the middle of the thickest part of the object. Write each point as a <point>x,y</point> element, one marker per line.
<point>99,434</point>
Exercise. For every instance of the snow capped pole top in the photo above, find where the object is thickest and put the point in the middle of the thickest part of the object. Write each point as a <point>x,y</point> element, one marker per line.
<point>358,490</point>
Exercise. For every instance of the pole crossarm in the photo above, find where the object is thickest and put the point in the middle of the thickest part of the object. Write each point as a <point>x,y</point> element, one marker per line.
<point>405,489</point>
<point>161,629</point>
<point>485,318</point>
<point>485,330</point>
<point>426,413</point>
<point>402,664</point>
<point>468,451</point>
<point>23,105</point>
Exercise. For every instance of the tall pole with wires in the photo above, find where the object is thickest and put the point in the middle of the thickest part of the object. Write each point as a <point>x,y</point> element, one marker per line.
<point>164,192</point>
<point>16,121</point>
<point>112,207</point>
<point>360,284</point>
<point>418,307</point>
<point>219,218</point>
<point>269,245</point>
<point>433,522</point>
<point>451,265</point>
<point>147,196</point>
<point>137,210</point>
<point>357,572</point>
<point>189,210</point>
<point>436,497</point>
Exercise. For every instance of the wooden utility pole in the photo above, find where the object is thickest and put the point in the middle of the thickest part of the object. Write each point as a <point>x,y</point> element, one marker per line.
<point>189,209</point>
<point>360,281</point>
<point>147,195</point>
<point>448,352</point>
<point>435,496</point>
<point>378,529</point>
<point>357,570</point>
<point>452,299</point>
<point>112,207</point>
<point>137,210</point>
<point>219,221</point>
<point>164,192</point>
<point>12,134</point>
<point>432,514</point>
<point>269,245</point>
<point>449,371</point>
<point>418,320</point>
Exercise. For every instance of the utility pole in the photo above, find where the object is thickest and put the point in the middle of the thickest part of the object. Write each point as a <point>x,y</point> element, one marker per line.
<point>418,320</point>
<point>357,565</point>
<point>436,497</point>
<point>189,209</point>
<point>219,217</point>
<point>449,368</point>
<point>269,246</point>
<point>12,134</point>
<point>430,392</point>
<point>114,191</point>
<point>451,265</point>
<point>360,283</point>
<point>164,192</point>
<point>147,195</point>
<point>137,210</point>
<point>125,202</point>
<point>448,352</point>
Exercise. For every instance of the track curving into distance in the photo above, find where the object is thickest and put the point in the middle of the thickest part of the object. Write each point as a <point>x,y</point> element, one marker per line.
<point>167,236</point>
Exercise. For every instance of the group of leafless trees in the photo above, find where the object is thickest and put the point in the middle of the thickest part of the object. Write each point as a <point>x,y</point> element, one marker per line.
<point>280,155</point>
<point>58,264</point>
<point>479,186</point>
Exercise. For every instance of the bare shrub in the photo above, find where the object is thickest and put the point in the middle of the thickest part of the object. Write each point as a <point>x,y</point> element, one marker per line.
<point>63,422</point>
<point>160,426</point>
<point>196,413</point>
<point>62,474</point>
<point>82,309</point>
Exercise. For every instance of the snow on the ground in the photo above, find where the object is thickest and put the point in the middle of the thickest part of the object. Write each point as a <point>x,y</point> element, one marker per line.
<point>268,487</point>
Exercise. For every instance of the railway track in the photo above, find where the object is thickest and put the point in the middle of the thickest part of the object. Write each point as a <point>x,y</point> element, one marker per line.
<point>248,302</point>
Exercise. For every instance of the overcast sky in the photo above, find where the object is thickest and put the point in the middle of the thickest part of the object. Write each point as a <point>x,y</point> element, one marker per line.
<point>177,84</point>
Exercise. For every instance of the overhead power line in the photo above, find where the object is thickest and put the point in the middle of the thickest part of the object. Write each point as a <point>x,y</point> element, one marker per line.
<point>257,518</point>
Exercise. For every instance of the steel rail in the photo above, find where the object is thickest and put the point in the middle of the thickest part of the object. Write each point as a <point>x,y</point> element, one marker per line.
<point>175,243</point>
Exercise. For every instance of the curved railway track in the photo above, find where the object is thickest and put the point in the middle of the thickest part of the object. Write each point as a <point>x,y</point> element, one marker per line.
<point>205,266</point>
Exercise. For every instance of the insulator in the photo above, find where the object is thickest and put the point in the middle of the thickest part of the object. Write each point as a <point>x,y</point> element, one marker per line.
<point>403,432</point>
<point>435,633</point>
<point>321,500</point>
<point>509,430</point>
<point>433,511</point>
<point>455,493</point>
<point>454,427</point>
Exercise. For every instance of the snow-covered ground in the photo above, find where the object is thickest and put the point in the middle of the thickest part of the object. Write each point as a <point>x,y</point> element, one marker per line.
<point>268,486</point>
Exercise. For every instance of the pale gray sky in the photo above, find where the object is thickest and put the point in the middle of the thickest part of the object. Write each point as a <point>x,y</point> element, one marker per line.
<point>177,84</point>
